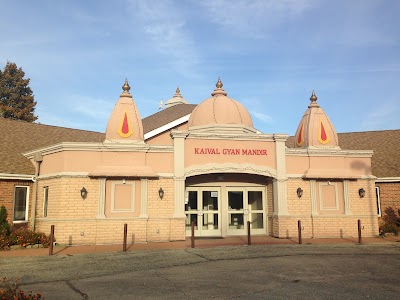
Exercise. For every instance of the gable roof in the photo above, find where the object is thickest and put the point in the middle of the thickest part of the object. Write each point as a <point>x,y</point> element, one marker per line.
<point>17,137</point>
<point>166,116</point>
<point>384,143</point>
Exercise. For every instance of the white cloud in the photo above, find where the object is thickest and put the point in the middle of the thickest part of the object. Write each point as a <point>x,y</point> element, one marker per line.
<point>98,109</point>
<point>384,115</point>
<point>261,116</point>
<point>254,18</point>
<point>165,24</point>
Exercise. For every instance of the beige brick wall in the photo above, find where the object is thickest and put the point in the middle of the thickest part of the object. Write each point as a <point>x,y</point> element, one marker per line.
<point>329,226</point>
<point>76,220</point>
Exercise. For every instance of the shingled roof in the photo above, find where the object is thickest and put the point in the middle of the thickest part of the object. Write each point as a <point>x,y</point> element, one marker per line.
<point>17,137</point>
<point>384,143</point>
<point>166,116</point>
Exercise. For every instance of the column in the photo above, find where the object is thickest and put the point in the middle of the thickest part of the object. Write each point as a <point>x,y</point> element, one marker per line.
<point>102,199</point>
<point>280,183</point>
<point>314,211</point>
<point>179,173</point>
<point>143,197</point>
<point>347,210</point>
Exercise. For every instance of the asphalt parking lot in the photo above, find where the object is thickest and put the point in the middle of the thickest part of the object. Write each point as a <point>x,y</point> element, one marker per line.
<point>346,271</point>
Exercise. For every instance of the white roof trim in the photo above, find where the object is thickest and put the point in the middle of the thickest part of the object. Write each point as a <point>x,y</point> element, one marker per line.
<point>17,176</point>
<point>388,179</point>
<point>166,127</point>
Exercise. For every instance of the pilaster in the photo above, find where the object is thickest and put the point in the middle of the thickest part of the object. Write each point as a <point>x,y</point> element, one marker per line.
<point>179,173</point>
<point>346,197</point>
<point>280,183</point>
<point>102,199</point>
<point>143,197</point>
<point>314,211</point>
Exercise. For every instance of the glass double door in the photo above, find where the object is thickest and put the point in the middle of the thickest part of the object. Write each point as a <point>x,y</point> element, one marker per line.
<point>225,210</point>
<point>202,207</point>
<point>245,204</point>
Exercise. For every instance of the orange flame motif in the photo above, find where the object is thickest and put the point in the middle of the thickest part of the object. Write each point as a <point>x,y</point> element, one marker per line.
<point>323,136</point>
<point>125,129</point>
<point>300,136</point>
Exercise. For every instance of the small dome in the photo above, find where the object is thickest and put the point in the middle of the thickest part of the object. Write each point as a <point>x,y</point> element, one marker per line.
<point>176,99</point>
<point>220,110</point>
<point>125,123</point>
<point>315,128</point>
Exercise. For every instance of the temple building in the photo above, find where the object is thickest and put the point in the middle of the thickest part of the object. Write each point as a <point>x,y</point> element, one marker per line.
<point>204,164</point>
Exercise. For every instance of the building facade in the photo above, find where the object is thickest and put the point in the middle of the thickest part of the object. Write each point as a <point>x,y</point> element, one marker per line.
<point>205,165</point>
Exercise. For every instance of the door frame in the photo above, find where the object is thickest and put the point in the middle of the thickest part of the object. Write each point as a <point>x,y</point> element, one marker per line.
<point>200,231</point>
<point>246,211</point>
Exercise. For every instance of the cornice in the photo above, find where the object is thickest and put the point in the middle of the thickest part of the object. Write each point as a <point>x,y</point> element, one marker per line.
<point>328,152</point>
<point>230,136</point>
<point>64,174</point>
<point>106,146</point>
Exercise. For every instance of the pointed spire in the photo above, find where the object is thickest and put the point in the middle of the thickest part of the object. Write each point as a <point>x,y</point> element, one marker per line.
<point>315,128</point>
<point>313,99</point>
<point>125,123</point>
<point>219,90</point>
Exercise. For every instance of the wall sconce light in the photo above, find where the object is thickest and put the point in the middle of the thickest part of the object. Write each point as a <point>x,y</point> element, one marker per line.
<point>161,193</point>
<point>299,192</point>
<point>361,192</point>
<point>83,193</point>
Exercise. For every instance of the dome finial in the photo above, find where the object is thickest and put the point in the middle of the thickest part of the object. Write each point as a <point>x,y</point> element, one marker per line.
<point>126,86</point>
<point>219,90</point>
<point>177,92</point>
<point>313,99</point>
<point>219,83</point>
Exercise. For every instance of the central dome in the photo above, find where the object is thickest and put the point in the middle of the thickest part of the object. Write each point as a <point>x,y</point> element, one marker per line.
<point>220,110</point>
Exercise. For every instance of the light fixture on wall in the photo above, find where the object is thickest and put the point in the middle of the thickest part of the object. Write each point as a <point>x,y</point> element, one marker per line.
<point>161,193</point>
<point>299,192</point>
<point>83,193</point>
<point>361,192</point>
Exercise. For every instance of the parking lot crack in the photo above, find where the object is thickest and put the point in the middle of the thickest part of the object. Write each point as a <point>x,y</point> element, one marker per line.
<point>84,296</point>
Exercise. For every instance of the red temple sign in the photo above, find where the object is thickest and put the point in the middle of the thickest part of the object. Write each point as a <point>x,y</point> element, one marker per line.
<point>229,151</point>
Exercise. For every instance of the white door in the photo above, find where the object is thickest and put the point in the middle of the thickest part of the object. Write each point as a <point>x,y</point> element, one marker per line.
<point>246,204</point>
<point>202,207</point>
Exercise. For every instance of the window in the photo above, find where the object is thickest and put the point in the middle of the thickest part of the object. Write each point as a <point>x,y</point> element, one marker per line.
<point>378,201</point>
<point>45,200</point>
<point>21,207</point>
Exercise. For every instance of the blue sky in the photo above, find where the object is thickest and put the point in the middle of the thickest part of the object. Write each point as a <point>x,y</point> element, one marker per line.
<point>270,55</point>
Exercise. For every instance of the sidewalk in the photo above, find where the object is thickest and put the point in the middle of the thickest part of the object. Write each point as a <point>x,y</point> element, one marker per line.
<point>199,243</point>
